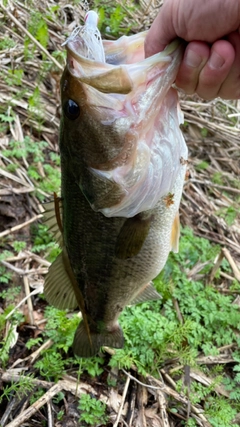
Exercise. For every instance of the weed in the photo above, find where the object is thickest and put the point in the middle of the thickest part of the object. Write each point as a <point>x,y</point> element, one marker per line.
<point>5,119</point>
<point>33,342</point>
<point>92,411</point>
<point>60,415</point>
<point>21,388</point>
<point>10,337</point>
<point>9,295</point>
<point>7,43</point>
<point>204,132</point>
<point>111,17</point>
<point>232,384</point>
<point>37,26</point>
<point>43,242</point>
<point>35,154</point>
<point>38,393</point>
<point>18,246</point>
<point>229,214</point>
<point>14,77</point>
<point>202,165</point>
<point>5,275</point>
<point>51,365</point>
<point>27,149</point>
<point>217,178</point>
<point>219,412</point>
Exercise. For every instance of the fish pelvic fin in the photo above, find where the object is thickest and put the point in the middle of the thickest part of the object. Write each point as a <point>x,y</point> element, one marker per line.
<point>146,293</point>
<point>52,217</point>
<point>58,288</point>
<point>83,348</point>
<point>175,234</point>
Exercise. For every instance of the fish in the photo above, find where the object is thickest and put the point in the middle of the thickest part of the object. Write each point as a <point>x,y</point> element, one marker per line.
<point>123,165</point>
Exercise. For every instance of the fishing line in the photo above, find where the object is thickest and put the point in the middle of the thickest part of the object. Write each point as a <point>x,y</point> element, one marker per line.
<point>89,36</point>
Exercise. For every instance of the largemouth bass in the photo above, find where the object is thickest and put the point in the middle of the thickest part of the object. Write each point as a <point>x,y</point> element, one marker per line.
<point>123,164</point>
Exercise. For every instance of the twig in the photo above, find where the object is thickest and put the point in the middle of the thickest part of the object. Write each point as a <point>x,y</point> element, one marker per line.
<point>22,28</point>
<point>32,358</point>
<point>10,376</point>
<point>142,399</point>
<point>194,409</point>
<point>29,300</point>
<point>163,406</point>
<point>50,414</point>
<point>26,298</point>
<point>14,178</point>
<point>233,265</point>
<point>178,311</point>
<point>216,266</point>
<point>25,415</point>
<point>160,385</point>
<point>211,184</point>
<point>122,402</point>
<point>132,404</point>
<point>10,407</point>
<point>139,382</point>
<point>17,270</point>
<point>18,227</point>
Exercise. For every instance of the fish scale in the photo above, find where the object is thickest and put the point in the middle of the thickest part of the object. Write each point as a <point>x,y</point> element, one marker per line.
<point>123,172</point>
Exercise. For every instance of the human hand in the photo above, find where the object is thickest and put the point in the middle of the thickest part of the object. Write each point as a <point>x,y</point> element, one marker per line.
<point>211,65</point>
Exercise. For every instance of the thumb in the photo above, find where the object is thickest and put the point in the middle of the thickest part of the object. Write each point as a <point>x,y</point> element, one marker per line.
<point>160,34</point>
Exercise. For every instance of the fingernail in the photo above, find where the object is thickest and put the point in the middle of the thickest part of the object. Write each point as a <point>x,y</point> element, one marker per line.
<point>192,59</point>
<point>215,61</point>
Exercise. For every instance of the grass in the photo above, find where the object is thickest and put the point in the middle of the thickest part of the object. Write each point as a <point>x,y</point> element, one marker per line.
<point>198,318</point>
<point>154,335</point>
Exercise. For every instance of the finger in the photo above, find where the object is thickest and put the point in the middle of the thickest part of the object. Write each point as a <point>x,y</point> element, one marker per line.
<point>195,57</point>
<point>230,88</point>
<point>161,32</point>
<point>216,70</point>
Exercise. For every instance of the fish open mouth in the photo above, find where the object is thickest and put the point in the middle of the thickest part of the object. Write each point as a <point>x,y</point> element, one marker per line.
<point>133,96</point>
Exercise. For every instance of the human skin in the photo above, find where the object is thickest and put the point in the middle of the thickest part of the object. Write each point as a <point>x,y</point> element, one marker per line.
<point>211,62</point>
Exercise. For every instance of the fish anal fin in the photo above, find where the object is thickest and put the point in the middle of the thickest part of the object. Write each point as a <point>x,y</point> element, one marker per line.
<point>175,234</point>
<point>147,293</point>
<point>58,288</point>
<point>83,348</point>
<point>132,236</point>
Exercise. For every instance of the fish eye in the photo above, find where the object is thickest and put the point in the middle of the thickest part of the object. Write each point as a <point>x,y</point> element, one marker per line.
<point>71,109</point>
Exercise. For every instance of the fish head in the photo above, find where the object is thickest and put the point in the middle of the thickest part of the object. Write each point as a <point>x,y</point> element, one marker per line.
<point>115,121</point>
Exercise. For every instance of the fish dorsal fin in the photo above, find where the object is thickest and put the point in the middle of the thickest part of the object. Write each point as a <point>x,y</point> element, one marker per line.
<point>132,236</point>
<point>52,217</point>
<point>175,234</point>
<point>147,293</point>
<point>58,288</point>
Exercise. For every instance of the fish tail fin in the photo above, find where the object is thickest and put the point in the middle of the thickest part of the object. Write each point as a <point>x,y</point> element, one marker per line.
<point>82,346</point>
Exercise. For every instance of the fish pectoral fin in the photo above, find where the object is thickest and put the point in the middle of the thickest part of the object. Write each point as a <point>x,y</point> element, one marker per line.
<point>148,292</point>
<point>58,288</point>
<point>52,217</point>
<point>132,236</point>
<point>82,346</point>
<point>175,234</point>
